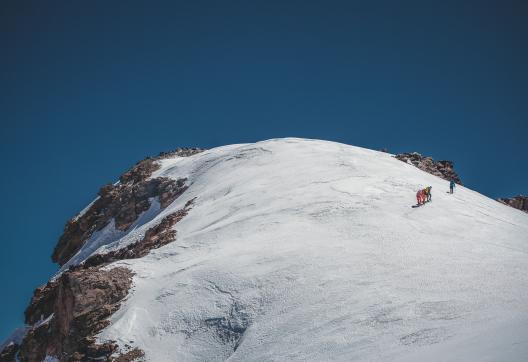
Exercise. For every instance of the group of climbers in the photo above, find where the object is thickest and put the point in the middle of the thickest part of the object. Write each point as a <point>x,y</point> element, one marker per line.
<point>424,195</point>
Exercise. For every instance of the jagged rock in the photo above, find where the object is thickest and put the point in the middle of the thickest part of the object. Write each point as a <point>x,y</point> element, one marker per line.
<point>69,311</point>
<point>9,352</point>
<point>123,202</point>
<point>519,202</point>
<point>140,172</point>
<point>154,238</point>
<point>144,168</point>
<point>443,169</point>
<point>130,356</point>
<point>180,152</point>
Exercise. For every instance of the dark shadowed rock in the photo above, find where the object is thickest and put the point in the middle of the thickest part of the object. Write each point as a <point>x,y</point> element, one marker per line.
<point>180,152</point>
<point>67,313</point>
<point>443,169</point>
<point>130,356</point>
<point>123,202</point>
<point>9,352</point>
<point>519,202</point>
<point>154,238</point>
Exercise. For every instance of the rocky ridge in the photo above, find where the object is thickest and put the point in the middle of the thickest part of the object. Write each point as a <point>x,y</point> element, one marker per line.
<point>443,169</point>
<point>519,202</point>
<point>123,202</point>
<point>66,314</point>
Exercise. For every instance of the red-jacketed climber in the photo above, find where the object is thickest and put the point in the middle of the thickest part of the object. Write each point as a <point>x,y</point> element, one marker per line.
<point>420,197</point>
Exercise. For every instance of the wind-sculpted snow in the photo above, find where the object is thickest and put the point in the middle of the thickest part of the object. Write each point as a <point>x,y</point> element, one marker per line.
<point>309,250</point>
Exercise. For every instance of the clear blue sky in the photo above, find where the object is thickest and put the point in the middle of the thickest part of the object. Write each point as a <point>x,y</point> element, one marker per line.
<point>89,88</point>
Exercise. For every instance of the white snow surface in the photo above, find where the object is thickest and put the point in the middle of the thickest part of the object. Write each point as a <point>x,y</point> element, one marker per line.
<point>308,250</point>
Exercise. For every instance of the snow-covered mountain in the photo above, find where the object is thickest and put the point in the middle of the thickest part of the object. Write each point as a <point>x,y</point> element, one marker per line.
<point>284,250</point>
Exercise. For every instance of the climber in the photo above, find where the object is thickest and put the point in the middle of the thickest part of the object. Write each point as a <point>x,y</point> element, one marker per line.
<point>420,197</point>
<point>428,193</point>
<point>451,185</point>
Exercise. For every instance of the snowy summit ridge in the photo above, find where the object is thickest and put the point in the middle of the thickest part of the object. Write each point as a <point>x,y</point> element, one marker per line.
<point>286,249</point>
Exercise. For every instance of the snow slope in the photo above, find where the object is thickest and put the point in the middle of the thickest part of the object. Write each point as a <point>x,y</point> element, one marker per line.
<point>309,250</point>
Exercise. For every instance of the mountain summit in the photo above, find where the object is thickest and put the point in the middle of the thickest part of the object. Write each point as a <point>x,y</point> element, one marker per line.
<point>283,250</point>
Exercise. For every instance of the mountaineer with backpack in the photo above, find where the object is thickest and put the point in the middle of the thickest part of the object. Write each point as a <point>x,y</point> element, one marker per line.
<point>427,192</point>
<point>420,197</point>
<point>451,185</point>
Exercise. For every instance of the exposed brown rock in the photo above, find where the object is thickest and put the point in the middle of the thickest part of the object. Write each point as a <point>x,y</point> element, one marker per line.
<point>140,172</point>
<point>443,169</point>
<point>9,352</point>
<point>519,202</point>
<point>180,152</point>
<point>79,303</point>
<point>130,356</point>
<point>144,168</point>
<point>66,314</point>
<point>70,310</point>
<point>154,238</point>
<point>123,202</point>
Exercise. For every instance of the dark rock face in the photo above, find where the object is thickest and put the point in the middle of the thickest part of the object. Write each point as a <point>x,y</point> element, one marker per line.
<point>180,152</point>
<point>144,169</point>
<point>519,202</point>
<point>69,311</point>
<point>443,169</point>
<point>66,314</point>
<point>154,238</point>
<point>123,202</point>
<point>129,356</point>
<point>9,352</point>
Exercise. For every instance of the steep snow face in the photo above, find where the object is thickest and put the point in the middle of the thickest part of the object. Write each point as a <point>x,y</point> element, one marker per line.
<point>309,250</point>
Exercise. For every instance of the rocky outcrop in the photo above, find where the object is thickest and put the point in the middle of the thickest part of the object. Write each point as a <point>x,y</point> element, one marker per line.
<point>144,168</point>
<point>180,152</point>
<point>9,352</point>
<point>67,313</point>
<point>443,169</point>
<point>519,202</point>
<point>132,355</point>
<point>123,202</point>
<point>154,238</point>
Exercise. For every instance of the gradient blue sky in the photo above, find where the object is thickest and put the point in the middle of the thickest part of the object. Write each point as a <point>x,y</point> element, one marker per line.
<point>89,88</point>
